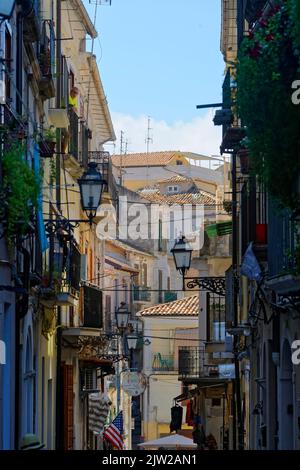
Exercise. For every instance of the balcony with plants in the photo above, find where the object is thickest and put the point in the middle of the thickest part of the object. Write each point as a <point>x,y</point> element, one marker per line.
<point>60,284</point>
<point>20,187</point>
<point>268,64</point>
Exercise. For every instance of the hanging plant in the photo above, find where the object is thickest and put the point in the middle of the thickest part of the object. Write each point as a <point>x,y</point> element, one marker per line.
<point>48,323</point>
<point>267,66</point>
<point>21,189</point>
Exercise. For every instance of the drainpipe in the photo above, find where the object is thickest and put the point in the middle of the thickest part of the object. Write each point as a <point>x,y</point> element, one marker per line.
<point>19,76</point>
<point>59,421</point>
<point>237,411</point>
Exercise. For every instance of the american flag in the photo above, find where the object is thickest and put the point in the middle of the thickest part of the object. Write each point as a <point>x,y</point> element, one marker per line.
<point>114,432</point>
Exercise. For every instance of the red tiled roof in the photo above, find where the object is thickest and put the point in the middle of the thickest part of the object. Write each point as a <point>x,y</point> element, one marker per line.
<point>200,197</point>
<point>145,159</point>
<point>176,179</point>
<point>189,306</point>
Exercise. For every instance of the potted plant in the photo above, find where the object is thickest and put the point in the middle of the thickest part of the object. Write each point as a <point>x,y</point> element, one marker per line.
<point>268,63</point>
<point>53,281</point>
<point>20,187</point>
<point>48,142</point>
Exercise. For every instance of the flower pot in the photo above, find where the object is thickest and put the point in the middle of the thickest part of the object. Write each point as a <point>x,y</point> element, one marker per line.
<point>47,148</point>
<point>243,155</point>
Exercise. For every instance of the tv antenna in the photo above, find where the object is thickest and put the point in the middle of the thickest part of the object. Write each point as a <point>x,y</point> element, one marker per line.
<point>149,138</point>
<point>100,2</point>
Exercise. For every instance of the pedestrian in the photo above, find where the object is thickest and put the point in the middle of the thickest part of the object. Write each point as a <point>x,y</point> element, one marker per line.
<point>31,442</point>
<point>74,92</point>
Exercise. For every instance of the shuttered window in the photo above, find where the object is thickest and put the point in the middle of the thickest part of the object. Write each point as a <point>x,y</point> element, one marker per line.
<point>68,406</point>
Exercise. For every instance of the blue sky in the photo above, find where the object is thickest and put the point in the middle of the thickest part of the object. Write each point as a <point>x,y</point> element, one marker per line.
<point>160,58</point>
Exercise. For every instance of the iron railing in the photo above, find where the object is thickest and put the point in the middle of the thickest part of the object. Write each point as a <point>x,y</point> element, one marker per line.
<point>103,161</point>
<point>163,363</point>
<point>170,296</point>
<point>195,362</point>
<point>47,49</point>
<point>283,240</point>
<point>141,294</point>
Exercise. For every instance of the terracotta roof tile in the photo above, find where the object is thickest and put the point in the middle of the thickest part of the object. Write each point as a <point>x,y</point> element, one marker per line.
<point>200,197</point>
<point>176,179</point>
<point>189,306</point>
<point>145,159</point>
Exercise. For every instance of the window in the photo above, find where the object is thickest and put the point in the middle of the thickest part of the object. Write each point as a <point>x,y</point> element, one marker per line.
<point>160,282</point>
<point>172,189</point>
<point>160,235</point>
<point>145,275</point>
<point>8,56</point>
<point>179,162</point>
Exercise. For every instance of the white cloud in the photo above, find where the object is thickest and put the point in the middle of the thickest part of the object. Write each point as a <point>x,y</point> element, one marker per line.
<point>198,135</point>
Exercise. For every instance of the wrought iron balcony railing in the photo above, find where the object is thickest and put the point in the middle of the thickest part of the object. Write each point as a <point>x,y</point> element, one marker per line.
<point>163,363</point>
<point>170,296</point>
<point>196,363</point>
<point>103,161</point>
<point>47,60</point>
<point>141,294</point>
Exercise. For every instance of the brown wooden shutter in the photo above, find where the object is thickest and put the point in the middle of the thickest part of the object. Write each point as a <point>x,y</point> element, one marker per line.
<point>68,406</point>
<point>145,274</point>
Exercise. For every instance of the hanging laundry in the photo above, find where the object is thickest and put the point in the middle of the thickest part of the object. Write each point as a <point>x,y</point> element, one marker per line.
<point>189,419</point>
<point>176,418</point>
<point>98,411</point>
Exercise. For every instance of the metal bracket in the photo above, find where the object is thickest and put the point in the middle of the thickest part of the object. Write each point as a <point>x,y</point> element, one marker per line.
<point>211,284</point>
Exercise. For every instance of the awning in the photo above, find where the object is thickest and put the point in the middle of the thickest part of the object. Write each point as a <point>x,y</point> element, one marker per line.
<point>120,266</point>
<point>174,441</point>
<point>218,230</point>
<point>191,393</point>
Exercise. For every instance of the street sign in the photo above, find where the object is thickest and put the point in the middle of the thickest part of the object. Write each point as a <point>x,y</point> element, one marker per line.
<point>134,383</point>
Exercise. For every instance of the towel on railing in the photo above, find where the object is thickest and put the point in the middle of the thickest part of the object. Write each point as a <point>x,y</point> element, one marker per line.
<point>98,411</point>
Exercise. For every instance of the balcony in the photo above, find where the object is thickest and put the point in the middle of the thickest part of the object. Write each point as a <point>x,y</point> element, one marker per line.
<point>163,363</point>
<point>170,296</point>
<point>91,314</point>
<point>31,25</point>
<point>252,8</point>
<point>46,60</point>
<point>61,286</point>
<point>75,145</point>
<point>141,294</point>
<point>283,252</point>
<point>103,161</point>
<point>197,366</point>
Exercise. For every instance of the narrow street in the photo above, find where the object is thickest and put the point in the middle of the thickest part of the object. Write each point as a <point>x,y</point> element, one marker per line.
<point>149,229</point>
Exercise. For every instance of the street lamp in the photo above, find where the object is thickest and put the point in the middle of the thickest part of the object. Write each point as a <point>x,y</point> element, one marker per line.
<point>6,9</point>
<point>91,187</point>
<point>182,254</point>
<point>122,316</point>
<point>132,341</point>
